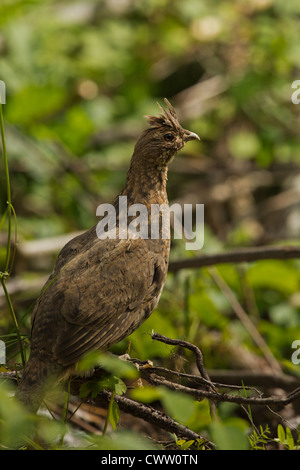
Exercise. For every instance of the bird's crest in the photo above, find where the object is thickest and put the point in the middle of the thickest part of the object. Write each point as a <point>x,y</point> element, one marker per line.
<point>167,118</point>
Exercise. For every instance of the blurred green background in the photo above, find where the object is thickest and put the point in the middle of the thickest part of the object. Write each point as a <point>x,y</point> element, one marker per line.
<point>80,76</point>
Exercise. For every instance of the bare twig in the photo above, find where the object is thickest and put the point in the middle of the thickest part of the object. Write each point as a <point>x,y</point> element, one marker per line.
<point>151,375</point>
<point>150,415</point>
<point>213,395</point>
<point>241,255</point>
<point>257,378</point>
<point>156,380</point>
<point>198,387</point>
<point>54,244</point>
<point>195,380</point>
<point>199,362</point>
<point>191,347</point>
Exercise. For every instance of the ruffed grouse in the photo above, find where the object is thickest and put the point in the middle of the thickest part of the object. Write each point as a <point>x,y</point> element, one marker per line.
<point>101,290</point>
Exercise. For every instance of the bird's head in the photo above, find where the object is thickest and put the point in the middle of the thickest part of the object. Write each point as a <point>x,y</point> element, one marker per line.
<point>165,136</point>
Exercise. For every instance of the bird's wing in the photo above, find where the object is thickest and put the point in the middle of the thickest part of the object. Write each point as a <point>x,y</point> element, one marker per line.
<point>97,297</point>
<point>73,247</point>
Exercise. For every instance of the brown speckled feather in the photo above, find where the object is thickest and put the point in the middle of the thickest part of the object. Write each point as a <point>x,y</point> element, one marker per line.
<point>100,313</point>
<point>100,291</point>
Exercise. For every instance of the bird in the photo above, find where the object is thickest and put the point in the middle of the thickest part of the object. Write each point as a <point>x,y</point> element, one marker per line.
<point>102,289</point>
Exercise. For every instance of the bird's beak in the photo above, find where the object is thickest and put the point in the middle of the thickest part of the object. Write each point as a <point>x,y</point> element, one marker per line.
<point>190,136</point>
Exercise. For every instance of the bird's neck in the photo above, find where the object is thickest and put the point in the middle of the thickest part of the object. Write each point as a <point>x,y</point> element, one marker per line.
<point>146,183</point>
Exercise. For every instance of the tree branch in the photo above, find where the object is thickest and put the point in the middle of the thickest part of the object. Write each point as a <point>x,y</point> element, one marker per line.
<point>241,255</point>
<point>156,380</point>
<point>199,387</point>
<point>191,347</point>
<point>151,415</point>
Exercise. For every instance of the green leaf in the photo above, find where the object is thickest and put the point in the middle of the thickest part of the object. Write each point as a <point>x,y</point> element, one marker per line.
<point>93,387</point>
<point>118,385</point>
<point>15,422</point>
<point>110,363</point>
<point>178,405</point>
<point>289,439</point>
<point>113,414</point>
<point>187,444</point>
<point>228,437</point>
<point>120,440</point>
<point>89,361</point>
<point>281,434</point>
<point>285,437</point>
<point>116,366</point>
<point>145,394</point>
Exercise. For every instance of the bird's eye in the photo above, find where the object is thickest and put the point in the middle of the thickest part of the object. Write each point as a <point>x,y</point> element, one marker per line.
<point>169,137</point>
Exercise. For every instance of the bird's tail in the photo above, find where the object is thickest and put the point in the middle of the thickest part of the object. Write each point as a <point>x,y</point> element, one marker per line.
<point>32,388</point>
